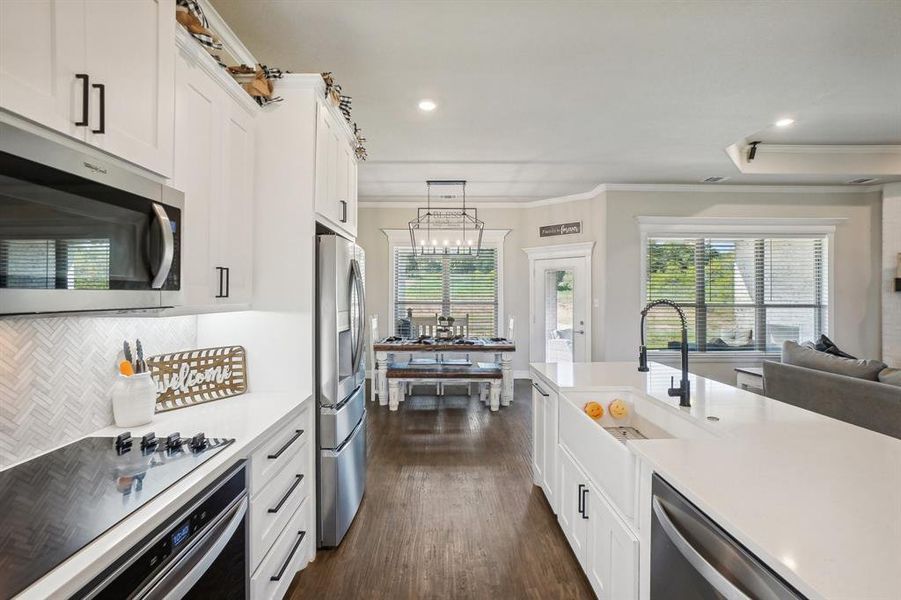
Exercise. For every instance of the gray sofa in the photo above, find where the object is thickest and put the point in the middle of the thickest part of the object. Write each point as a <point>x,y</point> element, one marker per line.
<point>862,392</point>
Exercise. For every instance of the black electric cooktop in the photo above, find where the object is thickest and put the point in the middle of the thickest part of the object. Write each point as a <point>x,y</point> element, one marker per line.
<point>54,505</point>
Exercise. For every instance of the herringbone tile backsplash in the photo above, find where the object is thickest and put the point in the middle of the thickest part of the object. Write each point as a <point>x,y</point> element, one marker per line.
<point>56,374</point>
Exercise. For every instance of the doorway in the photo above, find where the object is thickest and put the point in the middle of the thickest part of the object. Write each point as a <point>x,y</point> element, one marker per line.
<point>560,304</point>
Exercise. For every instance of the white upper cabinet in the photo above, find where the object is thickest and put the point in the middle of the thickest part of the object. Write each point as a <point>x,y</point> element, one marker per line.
<point>99,71</point>
<point>41,52</point>
<point>336,173</point>
<point>214,162</point>
<point>129,51</point>
<point>233,220</point>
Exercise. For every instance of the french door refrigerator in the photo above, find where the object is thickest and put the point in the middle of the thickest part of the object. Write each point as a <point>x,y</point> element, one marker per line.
<point>341,385</point>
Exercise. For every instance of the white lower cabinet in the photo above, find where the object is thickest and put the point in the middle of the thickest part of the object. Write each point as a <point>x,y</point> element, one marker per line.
<point>288,554</point>
<point>282,506</point>
<point>544,442</point>
<point>612,561</point>
<point>604,545</point>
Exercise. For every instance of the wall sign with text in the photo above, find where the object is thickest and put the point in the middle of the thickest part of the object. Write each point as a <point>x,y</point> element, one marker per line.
<point>197,376</point>
<point>561,229</point>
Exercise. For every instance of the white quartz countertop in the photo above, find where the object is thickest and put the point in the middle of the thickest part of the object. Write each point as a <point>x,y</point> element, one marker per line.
<point>817,499</point>
<point>245,418</point>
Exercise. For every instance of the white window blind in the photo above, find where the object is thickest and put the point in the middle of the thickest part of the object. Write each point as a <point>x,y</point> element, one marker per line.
<point>456,286</point>
<point>738,294</point>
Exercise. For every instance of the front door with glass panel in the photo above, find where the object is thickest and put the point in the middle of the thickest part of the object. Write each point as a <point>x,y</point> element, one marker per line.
<point>559,323</point>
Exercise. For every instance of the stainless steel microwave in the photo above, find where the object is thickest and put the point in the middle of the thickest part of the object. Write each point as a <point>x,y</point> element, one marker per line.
<point>80,233</point>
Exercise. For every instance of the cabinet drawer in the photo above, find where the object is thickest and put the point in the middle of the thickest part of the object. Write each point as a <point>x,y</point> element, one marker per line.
<point>273,507</point>
<point>287,556</point>
<point>279,449</point>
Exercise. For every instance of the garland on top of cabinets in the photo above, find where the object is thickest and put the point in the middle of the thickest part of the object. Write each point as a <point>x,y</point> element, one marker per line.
<point>343,102</point>
<point>256,81</point>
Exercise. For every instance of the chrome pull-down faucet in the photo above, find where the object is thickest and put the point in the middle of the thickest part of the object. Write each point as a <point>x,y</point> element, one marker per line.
<point>684,389</point>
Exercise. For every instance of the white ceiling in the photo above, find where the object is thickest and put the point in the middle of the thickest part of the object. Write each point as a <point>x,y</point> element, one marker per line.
<point>543,99</point>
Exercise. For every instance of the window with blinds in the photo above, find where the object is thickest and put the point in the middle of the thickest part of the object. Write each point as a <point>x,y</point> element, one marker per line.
<point>741,294</point>
<point>463,287</point>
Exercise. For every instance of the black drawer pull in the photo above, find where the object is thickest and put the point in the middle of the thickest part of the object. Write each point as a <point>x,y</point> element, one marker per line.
<point>293,439</point>
<point>580,499</point>
<point>297,479</point>
<point>281,571</point>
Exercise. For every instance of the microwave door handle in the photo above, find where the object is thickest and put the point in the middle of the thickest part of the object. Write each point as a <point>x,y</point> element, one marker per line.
<point>165,265</point>
<point>188,570</point>
<point>694,558</point>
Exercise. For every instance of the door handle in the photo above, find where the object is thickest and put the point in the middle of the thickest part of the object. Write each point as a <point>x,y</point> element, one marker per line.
<point>224,281</point>
<point>343,211</point>
<point>361,316</point>
<point>165,264</point>
<point>102,89</point>
<point>582,331</point>
<point>584,502</point>
<point>581,500</point>
<point>85,98</point>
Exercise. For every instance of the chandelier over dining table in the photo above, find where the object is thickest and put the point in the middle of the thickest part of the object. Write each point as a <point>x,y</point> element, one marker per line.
<point>446,230</point>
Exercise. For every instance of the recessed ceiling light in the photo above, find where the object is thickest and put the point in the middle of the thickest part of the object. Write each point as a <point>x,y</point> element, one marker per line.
<point>427,105</point>
<point>784,122</point>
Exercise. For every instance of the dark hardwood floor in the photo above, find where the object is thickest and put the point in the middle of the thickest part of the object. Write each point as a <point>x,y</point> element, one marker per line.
<point>450,511</point>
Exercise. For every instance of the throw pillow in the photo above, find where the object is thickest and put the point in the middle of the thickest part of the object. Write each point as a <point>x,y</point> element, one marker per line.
<point>890,376</point>
<point>824,344</point>
<point>800,356</point>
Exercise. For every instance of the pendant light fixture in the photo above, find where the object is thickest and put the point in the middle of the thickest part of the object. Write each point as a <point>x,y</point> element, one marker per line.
<point>446,230</point>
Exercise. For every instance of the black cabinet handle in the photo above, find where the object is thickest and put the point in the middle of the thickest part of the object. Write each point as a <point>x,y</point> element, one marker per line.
<point>584,503</point>
<point>297,434</point>
<point>581,499</point>
<point>343,211</point>
<point>85,98</point>
<point>228,281</point>
<point>297,479</point>
<point>223,282</point>
<point>281,571</point>
<point>102,89</point>
<point>540,391</point>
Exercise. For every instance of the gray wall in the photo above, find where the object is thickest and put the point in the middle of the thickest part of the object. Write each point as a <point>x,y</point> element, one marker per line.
<point>609,221</point>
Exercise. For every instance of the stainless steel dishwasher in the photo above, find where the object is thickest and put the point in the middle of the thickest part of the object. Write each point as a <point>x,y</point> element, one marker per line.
<point>694,558</point>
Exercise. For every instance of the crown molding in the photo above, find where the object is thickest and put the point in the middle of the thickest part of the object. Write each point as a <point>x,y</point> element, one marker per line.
<point>560,250</point>
<point>643,187</point>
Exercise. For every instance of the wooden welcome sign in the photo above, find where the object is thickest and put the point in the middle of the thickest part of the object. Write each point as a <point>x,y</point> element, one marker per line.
<point>197,376</point>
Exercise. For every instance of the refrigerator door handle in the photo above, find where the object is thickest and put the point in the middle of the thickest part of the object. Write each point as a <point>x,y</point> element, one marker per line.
<point>361,312</point>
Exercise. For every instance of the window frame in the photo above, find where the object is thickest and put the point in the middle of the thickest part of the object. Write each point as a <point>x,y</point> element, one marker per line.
<point>712,227</point>
<point>491,238</point>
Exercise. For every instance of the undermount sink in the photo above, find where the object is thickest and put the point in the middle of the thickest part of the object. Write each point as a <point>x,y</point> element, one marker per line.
<point>601,445</point>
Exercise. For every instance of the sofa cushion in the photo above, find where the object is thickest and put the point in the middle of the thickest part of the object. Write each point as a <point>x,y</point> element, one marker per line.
<point>890,376</point>
<point>801,356</point>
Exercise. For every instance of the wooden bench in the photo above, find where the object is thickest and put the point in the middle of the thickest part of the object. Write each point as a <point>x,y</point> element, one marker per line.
<point>489,376</point>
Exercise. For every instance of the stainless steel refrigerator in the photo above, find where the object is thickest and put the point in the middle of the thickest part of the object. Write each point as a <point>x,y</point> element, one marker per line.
<point>341,385</point>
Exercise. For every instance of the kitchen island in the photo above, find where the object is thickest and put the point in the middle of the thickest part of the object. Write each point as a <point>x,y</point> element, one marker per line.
<point>817,500</point>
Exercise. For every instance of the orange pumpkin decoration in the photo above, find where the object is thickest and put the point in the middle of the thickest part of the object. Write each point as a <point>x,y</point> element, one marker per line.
<point>593,410</point>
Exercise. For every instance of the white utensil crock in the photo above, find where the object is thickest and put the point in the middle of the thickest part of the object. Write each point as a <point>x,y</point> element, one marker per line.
<point>134,400</point>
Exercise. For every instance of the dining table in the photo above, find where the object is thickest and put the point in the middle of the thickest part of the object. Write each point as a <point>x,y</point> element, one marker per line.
<point>384,349</point>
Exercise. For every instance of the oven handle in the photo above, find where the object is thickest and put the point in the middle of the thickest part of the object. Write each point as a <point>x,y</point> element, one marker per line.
<point>179,580</point>
<point>162,272</point>
<point>694,558</point>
